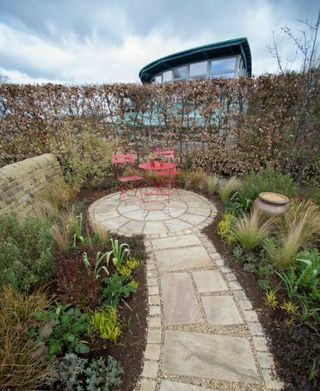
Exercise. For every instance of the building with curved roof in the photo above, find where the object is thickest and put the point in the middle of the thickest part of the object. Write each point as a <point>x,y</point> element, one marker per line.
<point>228,59</point>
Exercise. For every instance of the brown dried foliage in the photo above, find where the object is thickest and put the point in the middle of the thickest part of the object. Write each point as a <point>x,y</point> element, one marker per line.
<point>245,123</point>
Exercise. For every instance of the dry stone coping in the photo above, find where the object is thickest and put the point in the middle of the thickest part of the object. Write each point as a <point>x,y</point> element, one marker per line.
<point>202,331</point>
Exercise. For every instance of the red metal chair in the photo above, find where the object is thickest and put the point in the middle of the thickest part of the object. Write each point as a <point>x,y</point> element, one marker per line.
<point>169,176</point>
<point>126,160</point>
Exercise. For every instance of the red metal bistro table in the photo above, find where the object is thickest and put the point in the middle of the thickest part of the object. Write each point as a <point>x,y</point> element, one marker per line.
<point>161,169</point>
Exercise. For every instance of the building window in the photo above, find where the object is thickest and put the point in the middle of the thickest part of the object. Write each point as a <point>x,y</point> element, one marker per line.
<point>180,73</point>
<point>158,79</point>
<point>167,76</point>
<point>198,70</point>
<point>223,68</point>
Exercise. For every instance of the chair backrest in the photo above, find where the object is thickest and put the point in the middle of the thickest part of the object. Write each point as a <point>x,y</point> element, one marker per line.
<point>128,158</point>
<point>168,154</point>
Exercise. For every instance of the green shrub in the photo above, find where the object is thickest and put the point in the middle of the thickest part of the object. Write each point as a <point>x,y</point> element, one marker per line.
<point>106,323</point>
<point>117,288</point>
<point>85,156</point>
<point>314,193</point>
<point>71,371</point>
<point>228,188</point>
<point>26,248</point>
<point>302,280</point>
<point>266,180</point>
<point>62,327</point>
<point>225,228</point>
<point>250,230</point>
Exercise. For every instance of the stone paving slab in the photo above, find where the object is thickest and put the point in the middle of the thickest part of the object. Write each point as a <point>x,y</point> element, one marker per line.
<point>209,356</point>
<point>221,310</point>
<point>174,386</point>
<point>179,300</point>
<point>182,258</point>
<point>209,281</point>
<point>175,242</point>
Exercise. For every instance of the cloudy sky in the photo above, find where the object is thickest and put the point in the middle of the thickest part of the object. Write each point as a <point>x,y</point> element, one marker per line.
<point>98,41</point>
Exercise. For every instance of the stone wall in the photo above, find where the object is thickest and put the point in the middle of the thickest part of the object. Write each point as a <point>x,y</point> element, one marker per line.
<point>21,182</point>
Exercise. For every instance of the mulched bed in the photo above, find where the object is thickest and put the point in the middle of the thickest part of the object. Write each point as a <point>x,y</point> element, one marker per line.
<point>133,312</point>
<point>290,345</point>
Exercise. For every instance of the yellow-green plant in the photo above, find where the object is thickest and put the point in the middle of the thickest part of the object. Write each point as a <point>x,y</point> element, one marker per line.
<point>225,228</point>
<point>271,299</point>
<point>289,307</point>
<point>251,229</point>
<point>128,268</point>
<point>106,324</point>
<point>212,183</point>
<point>228,188</point>
<point>21,367</point>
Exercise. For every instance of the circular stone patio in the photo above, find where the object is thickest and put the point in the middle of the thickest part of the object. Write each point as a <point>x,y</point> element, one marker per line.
<point>154,215</point>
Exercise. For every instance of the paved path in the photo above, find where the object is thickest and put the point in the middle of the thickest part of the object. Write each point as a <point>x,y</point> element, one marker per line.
<point>202,332</point>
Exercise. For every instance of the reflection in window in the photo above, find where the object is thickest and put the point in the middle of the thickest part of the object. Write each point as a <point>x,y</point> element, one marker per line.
<point>180,73</point>
<point>158,79</point>
<point>224,66</point>
<point>229,75</point>
<point>198,70</point>
<point>167,76</point>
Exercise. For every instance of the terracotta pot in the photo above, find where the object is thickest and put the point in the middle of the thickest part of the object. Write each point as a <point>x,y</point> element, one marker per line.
<point>271,204</point>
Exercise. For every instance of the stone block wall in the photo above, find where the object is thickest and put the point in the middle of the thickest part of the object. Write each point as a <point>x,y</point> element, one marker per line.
<point>21,182</point>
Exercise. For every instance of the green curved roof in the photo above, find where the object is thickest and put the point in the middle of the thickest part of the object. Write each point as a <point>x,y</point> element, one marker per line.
<point>206,52</point>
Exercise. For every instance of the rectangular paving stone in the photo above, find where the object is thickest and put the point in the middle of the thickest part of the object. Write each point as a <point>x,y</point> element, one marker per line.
<point>154,322</point>
<point>251,316</point>
<point>179,300</point>
<point>209,356</point>
<point>154,310</point>
<point>148,385</point>
<point>209,281</point>
<point>152,351</point>
<point>150,369</point>
<point>260,344</point>
<point>180,241</point>
<point>167,385</point>
<point>221,310</point>
<point>154,336</point>
<point>182,258</point>
<point>154,300</point>
<point>153,290</point>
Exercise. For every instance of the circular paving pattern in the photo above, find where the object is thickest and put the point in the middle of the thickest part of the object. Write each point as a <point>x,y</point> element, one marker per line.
<point>152,214</point>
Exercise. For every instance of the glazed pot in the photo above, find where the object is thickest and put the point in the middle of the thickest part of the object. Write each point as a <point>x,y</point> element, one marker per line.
<point>271,204</point>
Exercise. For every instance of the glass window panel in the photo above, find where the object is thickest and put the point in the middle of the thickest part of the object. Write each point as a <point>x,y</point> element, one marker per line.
<point>158,79</point>
<point>180,73</point>
<point>167,76</point>
<point>229,75</point>
<point>223,66</point>
<point>198,69</point>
